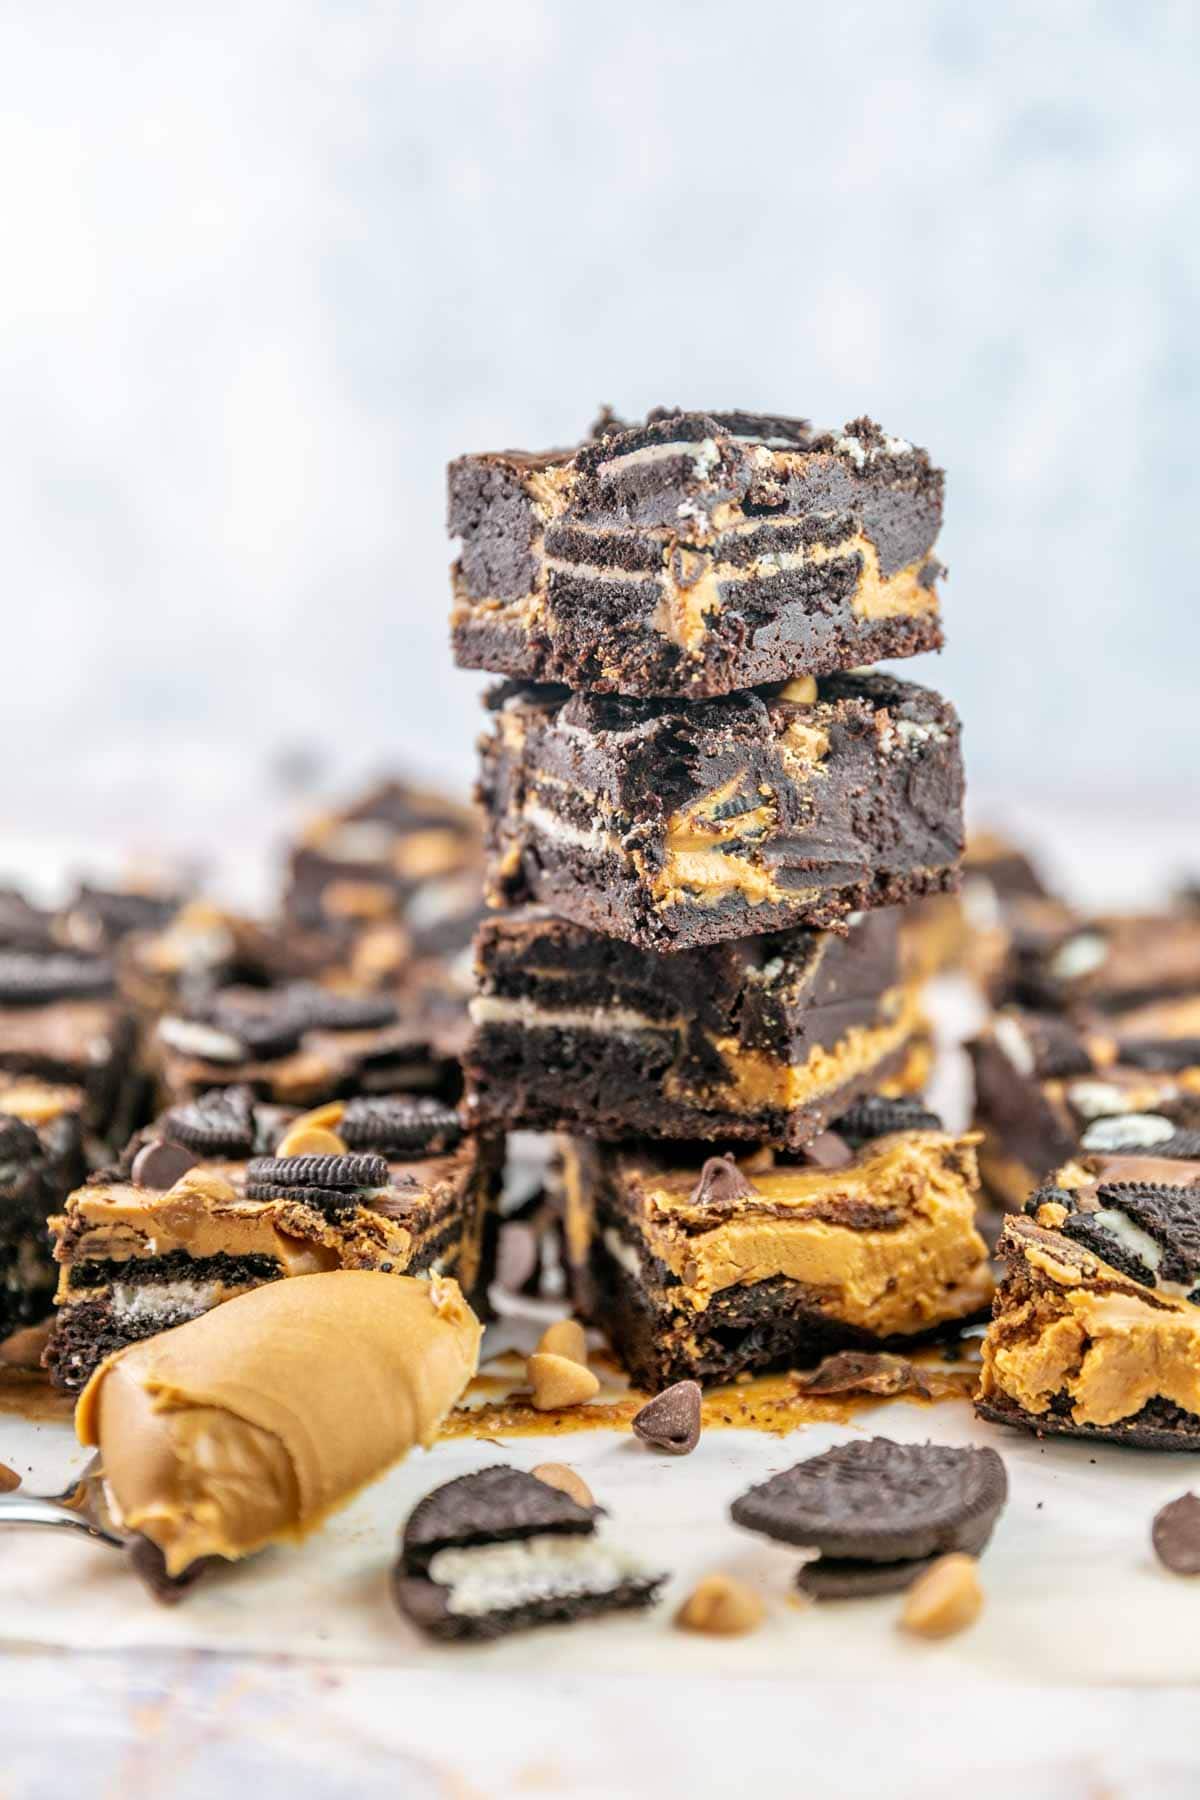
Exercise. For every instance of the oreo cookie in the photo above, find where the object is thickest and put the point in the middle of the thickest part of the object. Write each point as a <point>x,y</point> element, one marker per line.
<point>877,1511</point>
<point>319,1009</point>
<point>217,1123</point>
<point>27,980</point>
<point>499,1551</point>
<point>1160,1056</point>
<point>1141,1134</point>
<point>878,1116</point>
<point>400,1126</point>
<point>1146,1230</point>
<point>349,1173</point>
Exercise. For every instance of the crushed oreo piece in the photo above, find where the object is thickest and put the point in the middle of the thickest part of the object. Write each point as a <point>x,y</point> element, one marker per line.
<point>263,1032</point>
<point>487,1554</point>
<point>27,980</point>
<point>351,1173</point>
<point>400,1125</point>
<point>1051,1196</point>
<point>671,1421</point>
<point>878,1501</point>
<point>160,1163</point>
<point>217,1123</point>
<point>721,1183</point>
<point>1175,1535</point>
<point>841,1578</point>
<point>878,1116</point>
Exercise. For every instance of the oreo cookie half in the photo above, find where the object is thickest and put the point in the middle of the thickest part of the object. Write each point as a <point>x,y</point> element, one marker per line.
<point>400,1125</point>
<point>217,1123</point>
<point>488,1554</point>
<point>878,1116</point>
<point>876,1502</point>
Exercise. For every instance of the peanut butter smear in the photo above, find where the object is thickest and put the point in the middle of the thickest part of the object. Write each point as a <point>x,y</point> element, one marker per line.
<point>257,1420</point>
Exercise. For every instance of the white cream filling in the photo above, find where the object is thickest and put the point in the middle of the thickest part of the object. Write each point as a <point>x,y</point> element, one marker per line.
<point>1135,1131</point>
<point>1097,1099</point>
<point>1139,1243</point>
<point>705,455</point>
<point>136,1303</point>
<point>496,1009</point>
<point>192,1039</point>
<point>492,1578</point>
<point>550,825</point>
<point>1078,956</point>
<point>1014,1044</point>
<point>622,1252</point>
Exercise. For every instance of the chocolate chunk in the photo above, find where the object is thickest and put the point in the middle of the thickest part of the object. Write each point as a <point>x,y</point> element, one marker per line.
<point>721,1183</point>
<point>319,1009</point>
<point>671,1421</point>
<point>1175,1535</point>
<point>828,1150</point>
<point>400,1125</point>
<point>881,1502</point>
<point>336,1172</point>
<point>1160,1055</point>
<point>1058,1048</point>
<point>841,1578</point>
<point>40,980</point>
<point>219,1122</point>
<point>864,1372</point>
<point>160,1163</point>
<point>878,1116</point>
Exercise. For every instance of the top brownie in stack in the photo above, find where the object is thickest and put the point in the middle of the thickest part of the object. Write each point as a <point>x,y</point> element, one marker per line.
<point>695,554</point>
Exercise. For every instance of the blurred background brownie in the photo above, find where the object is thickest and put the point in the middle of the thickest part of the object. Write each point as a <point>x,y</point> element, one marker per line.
<point>41,1159</point>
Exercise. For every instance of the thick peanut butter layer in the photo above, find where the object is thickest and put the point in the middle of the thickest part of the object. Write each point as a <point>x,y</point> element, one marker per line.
<point>1068,1324</point>
<point>887,1242</point>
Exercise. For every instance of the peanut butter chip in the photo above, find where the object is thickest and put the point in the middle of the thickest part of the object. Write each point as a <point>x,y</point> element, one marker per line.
<point>802,691</point>
<point>564,1338</point>
<point>321,1118</point>
<point>22,1349</point>
<point>945,1599</point>
<point>558,1475</point>
<point>721,1606</point>
<point>9,1479</point>
<point>558,1381</point>
<point>310,1140</point>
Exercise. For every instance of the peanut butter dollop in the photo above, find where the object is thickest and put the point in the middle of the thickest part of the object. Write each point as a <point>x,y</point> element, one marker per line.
<point>258,1419</point>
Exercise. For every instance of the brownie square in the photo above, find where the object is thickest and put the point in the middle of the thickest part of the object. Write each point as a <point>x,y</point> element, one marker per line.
<point>695,554</point>
<point>700,1267</point>
<point>41,1159</point>
<point>766,1039</point>
<point>137,1256</point>
<point>674,826</point>
<point>63,1021</point>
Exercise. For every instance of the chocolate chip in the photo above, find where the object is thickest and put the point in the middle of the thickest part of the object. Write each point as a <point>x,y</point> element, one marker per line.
<point>401,1124</point>
<point>721,1183</point>
<point>160,1163</point>
<point>39,980</point>
<point>348,1172</point>
<point>878,1116</point>
<point>219,1122</point>
<point>671,1421</point>
<point>828,1150</point>
<point>1175,1535</point>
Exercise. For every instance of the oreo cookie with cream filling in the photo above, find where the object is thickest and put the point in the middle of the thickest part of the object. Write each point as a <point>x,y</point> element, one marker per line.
<point>500,1551</point>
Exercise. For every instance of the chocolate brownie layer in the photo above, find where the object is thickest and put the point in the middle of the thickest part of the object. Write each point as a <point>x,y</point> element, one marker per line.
<point>225,1193</point>
<point>676,826</point>
<point>41,1159</point>
<point>1080,1346</point>
<point>699,1267</point>
<point>695,554</point>
<point>61,1021</point>
<point>1110,963</point>
<point>768,1038</point>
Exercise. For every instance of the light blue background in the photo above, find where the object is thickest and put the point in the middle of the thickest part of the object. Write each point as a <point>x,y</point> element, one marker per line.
<point>267,266</point>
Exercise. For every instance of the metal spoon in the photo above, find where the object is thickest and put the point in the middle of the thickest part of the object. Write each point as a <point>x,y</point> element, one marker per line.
<point>80,1507</point>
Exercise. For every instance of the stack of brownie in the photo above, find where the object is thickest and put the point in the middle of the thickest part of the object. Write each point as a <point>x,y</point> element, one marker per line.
<point>702,816</point>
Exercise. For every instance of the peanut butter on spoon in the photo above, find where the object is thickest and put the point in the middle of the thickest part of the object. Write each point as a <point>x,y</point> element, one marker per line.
<point>258,1419</point>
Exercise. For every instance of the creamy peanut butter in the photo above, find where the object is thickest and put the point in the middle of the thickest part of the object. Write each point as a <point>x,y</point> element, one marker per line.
<point>1088,1332</point>
<point>254,1422</point>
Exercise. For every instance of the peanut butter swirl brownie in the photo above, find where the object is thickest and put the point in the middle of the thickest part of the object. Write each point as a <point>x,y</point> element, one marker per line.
<point>697,1265</point>
<point>673,826</point>
<point>1096,1326</point>
<point>696,554</point>
<point>767,1039</point>
<point>226,1192</point>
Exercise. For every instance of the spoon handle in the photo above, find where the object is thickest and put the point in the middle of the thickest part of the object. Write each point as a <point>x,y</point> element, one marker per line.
<point>31,1509</point>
